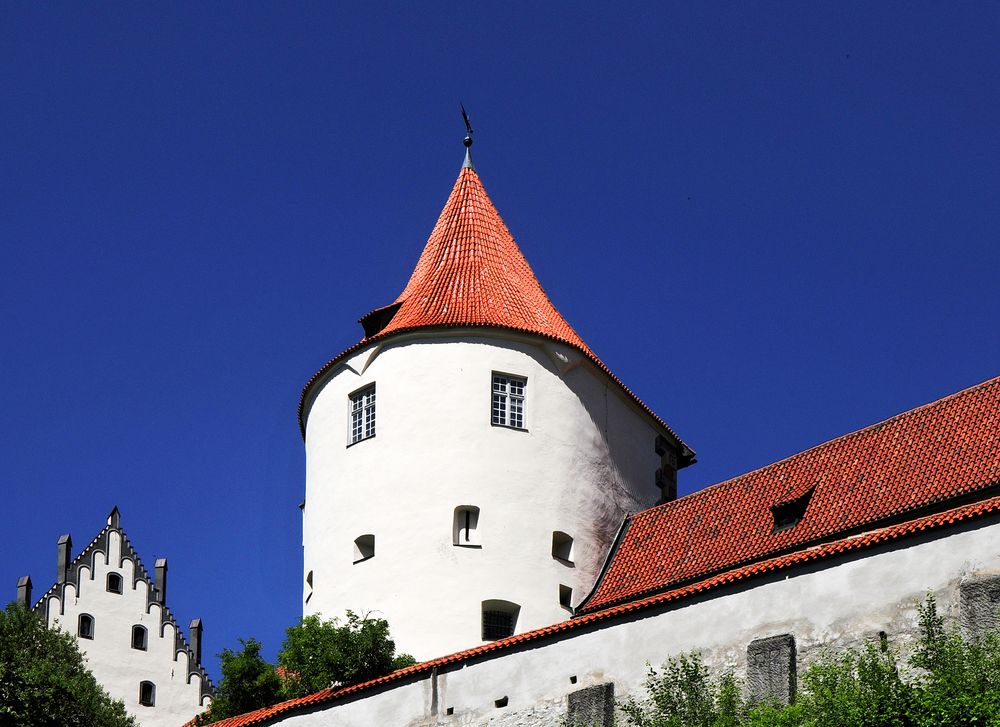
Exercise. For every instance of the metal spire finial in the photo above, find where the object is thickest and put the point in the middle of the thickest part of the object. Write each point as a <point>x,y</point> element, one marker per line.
<point>467,140</point>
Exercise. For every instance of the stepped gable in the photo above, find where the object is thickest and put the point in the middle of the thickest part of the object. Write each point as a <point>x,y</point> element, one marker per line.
<point>944,452</point>
<point>472,273</point>
<point>86,558</point>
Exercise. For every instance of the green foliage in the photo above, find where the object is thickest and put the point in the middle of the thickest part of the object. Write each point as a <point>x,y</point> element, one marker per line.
<point>316,654</point>
<point>44,680</point>
<point>957,683</point>
<point>683,694</point>
<point>248,683</point>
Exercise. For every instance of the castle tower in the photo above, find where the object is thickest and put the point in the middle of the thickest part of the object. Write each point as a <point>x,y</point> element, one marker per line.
<point>470,461</point>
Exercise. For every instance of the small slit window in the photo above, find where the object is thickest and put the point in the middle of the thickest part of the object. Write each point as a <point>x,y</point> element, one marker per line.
<point>465,531</point>
<point>566,597</point>
<point>508,401</point>
<point>363,414</point>
<point>114,584</point>
<point>499,619</point>
<point>85,626</point>
<point>562,547</point>
<point>364,548</point>
<point>309,586</point>
<point>789,514</point>
<point>139,638</point>
<point>147,694</point>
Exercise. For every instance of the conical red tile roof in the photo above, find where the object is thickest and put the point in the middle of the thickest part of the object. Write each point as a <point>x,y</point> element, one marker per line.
<point>472,273</point>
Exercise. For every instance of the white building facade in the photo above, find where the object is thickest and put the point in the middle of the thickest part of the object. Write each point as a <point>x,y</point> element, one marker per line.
<point>132,643</point>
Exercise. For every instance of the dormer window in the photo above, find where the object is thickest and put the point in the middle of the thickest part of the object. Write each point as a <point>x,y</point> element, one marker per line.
<point>508,401</point>
<point>114,584</point>
<point>363,414</point>
<point>788,514</point>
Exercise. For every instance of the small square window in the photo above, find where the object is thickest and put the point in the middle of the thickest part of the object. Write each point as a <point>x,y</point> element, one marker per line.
<point>362,412</point>
<point>508,401</point>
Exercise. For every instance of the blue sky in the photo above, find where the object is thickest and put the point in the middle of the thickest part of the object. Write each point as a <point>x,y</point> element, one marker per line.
<point>776,222</point>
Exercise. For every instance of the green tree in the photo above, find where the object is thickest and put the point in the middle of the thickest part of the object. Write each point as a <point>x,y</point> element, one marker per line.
<point>44,680</point>
<point>248,683</point>
<point>316,654</point>
<point>321,653</point>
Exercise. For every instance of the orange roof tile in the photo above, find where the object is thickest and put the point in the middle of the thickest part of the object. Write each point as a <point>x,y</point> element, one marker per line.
<point>931,454</point>
<point>828,550</point>
<point>472,273</point>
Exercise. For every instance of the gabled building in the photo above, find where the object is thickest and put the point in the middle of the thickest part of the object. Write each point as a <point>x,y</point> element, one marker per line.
<point>133,644</point>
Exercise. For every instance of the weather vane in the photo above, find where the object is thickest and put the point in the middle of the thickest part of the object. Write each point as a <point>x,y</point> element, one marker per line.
<point>468,126</point>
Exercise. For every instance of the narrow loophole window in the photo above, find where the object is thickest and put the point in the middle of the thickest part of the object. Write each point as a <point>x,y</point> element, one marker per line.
<point>566,597</point>
<point>364,548</point>
<point>465,531</point>
<point>85,626</point>
<point>139,637</point>
<point>562,547</point>
<point>147,694</point>
<point>114,584</point>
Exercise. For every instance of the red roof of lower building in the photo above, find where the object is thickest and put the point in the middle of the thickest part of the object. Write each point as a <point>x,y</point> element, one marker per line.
<point>937,452</point>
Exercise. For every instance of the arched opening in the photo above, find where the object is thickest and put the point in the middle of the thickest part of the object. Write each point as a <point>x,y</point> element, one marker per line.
<point>139,637</point>
<point>364,548</point>
<point>85,626</point>
<point>147,694</point>
<point>465,530</point>
<point>114,583</point>
<point>499,619</point>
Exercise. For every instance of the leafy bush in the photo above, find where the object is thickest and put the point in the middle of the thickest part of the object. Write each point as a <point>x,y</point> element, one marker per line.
<point>956,682</point>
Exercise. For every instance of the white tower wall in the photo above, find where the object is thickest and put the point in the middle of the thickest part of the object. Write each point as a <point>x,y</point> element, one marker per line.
<point>586,460</point>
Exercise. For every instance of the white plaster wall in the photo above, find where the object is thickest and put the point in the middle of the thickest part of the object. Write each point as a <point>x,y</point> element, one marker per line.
<point>115,664</point>
<point>840,603</point>
<point>586,460</point>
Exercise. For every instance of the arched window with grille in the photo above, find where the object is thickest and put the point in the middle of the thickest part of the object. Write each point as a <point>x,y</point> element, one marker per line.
<point>139,638</point>
<point>499,619</point>
<point>114,583</point>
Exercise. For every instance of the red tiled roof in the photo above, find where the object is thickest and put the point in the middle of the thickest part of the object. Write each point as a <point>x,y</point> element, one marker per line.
<point>931,454</point>
<point>472,273</point>
<point>806,555</point>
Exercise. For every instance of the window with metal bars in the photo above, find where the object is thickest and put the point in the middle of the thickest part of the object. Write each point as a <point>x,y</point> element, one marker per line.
<point>363,414</point>
<point>499,619</point>
<point>508,401</point>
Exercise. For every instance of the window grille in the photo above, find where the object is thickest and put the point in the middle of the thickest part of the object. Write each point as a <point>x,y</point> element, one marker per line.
<point>363,414</point>
<point>114,583</point>
<point>497,625</point>
<point>508,401</point>
<point>85,626</point>
<point>147,694</point>
<point>139,638</point>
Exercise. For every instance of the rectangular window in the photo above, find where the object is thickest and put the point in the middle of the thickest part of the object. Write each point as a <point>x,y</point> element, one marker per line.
<point>363,414</point>
<point>508,401</point>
